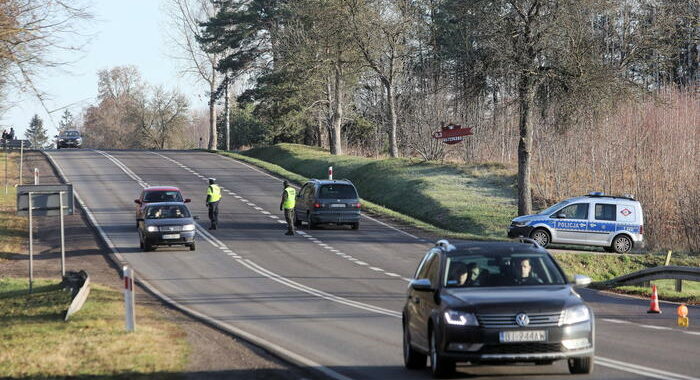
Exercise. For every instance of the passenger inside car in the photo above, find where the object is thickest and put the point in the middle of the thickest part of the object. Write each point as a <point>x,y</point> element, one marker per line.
<point>523,273</point>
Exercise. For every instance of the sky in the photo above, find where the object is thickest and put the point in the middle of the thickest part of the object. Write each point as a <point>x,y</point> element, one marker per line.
<point>125,32</point>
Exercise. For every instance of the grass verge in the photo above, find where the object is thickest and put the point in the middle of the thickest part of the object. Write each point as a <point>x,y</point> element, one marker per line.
<point>454,201</point>
<point>36,342</point>
<point>13,228</point>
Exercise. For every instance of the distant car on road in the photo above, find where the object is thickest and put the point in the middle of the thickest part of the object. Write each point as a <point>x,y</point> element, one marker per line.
<point>328,201</point>
<point>495,302</point>
<point>613,222</point>
<point>166,224</point>
<point>69,139</point>
<point>157,194</point>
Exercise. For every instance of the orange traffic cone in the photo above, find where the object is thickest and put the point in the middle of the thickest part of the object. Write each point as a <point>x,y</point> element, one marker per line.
<point>654,306</point>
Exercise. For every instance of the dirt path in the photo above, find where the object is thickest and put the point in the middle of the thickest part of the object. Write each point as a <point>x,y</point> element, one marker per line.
<point>214,354</point>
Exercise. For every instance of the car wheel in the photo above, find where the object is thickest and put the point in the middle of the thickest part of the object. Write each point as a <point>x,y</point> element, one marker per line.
<point>440,366</point>
<point>355,226</point>
<point>541,236</point>
<point>622,244</point>
<point>412,359</point>
<point>147,246</point>
<point>192,246</point>
<point>580,365</point>
<point>312,225</point>
<point>141,242</point>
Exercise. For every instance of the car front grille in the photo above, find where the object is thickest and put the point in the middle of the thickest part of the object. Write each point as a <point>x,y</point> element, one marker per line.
<point>170,228</point>
<point>522,348</point>
<point>508,320</point>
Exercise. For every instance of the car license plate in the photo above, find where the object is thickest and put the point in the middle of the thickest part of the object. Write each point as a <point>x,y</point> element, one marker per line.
<point>523,336</point>
<point>338,205</point>
<point>171,236</point>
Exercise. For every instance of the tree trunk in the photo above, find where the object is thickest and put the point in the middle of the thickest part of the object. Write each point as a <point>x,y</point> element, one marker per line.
<point>337,118</point>
<point>391,111</point>
<point>212,114</point>
<point>526,95</point>
<point>227,118</point>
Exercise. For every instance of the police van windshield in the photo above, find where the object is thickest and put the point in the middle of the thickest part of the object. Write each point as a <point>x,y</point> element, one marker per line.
<point>486,270</point>
<point>162,196</point>
<point>555,207</point>
<point>337,191</point>
<point>167,212</point>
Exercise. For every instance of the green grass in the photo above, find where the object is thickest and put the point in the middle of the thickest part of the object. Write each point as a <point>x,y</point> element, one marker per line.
<point>13,228</point>
<point>457,201</point>
<point>36,342</point>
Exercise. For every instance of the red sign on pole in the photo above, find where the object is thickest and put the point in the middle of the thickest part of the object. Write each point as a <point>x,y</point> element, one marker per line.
<point>452,133</point>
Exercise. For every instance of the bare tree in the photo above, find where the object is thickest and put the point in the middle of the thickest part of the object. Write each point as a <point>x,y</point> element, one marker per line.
<point>31,32</point>
<point>186,16</point>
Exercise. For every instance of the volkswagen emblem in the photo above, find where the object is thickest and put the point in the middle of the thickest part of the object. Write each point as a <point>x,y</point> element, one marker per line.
<point>522,319</point>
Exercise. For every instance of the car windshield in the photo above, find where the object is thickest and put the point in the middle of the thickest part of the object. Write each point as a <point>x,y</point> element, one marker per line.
<point>490,270</point>
<point>555,207</point>
<point>337,191</point>
<point>72,134</point>
<point>167,212</point>
<point>162,196</point>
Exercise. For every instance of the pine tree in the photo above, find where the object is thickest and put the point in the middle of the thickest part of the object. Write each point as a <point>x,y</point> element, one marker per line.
<point>36,133</point>
<point>67,123</point>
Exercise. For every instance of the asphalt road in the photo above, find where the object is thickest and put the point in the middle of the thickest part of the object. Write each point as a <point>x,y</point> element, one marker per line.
<point>331,298</point>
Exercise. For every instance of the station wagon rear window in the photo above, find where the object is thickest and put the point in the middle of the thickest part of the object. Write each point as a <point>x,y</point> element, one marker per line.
<point>337,191</point>
<point>162,196</point>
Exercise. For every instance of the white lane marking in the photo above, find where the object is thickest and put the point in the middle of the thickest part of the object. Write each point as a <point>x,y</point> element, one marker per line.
<point>358,262</point>
<point>392,274</point>
<point>615,320</point>
<point>273,216</point>
<point>376,269</point>
<point>244,200</point>
<point>655,327</point>
<point>282,221</point>
<point>238,197</point>
<point>319,293</point>
<point>301,233</point>
<point>258,208</point>
<point>641,370</point>
<point>265,212</point>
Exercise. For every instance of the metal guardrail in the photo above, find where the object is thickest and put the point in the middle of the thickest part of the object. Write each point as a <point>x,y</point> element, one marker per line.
<point>670,272</point>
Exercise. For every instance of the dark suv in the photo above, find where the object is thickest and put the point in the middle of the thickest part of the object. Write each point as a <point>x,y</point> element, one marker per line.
<point>69,139</point>
<point>328,201</point>
<point>486,302</point>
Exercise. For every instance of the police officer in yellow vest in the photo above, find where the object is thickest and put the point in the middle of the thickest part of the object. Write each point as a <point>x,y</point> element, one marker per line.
<point>289,197</point>
<point>213,198</point>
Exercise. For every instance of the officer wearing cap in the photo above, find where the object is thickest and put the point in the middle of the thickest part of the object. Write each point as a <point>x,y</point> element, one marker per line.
<point>213,198</point>
<point>289,197</point>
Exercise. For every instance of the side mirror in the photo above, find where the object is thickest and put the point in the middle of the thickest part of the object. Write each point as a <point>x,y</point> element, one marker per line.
<point>188,200</point>
<point>581,280</point>
<point>195,217</point>
<point>561,216</point>
<point>137,201</point>
<point>421,285</point>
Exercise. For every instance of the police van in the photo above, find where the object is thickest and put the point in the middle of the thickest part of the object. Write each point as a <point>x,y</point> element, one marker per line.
<point>613,222</point>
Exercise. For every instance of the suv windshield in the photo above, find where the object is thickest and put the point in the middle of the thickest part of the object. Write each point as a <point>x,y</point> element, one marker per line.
<point>337,191</point>
<point>162,196</point>
<point>485,270</point>
<point>167,212</point>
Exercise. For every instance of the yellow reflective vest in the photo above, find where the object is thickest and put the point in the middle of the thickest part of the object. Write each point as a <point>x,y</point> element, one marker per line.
<point>213,193</point>
<point>290,199</point>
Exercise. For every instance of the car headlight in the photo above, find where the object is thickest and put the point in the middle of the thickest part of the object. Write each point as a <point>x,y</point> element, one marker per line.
<point>575,314</point>
<point>519,224</point>
<point>152,228</point>
<point>188,227</point>
<point>460,318</point>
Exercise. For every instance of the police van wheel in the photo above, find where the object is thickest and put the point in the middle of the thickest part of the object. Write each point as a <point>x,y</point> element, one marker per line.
<point>541,236</point>
<point>192,246</point>
<point>622,244</point>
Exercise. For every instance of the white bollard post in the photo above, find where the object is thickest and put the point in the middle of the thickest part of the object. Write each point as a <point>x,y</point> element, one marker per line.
<point>330,173</point>
<point>129,301</point>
